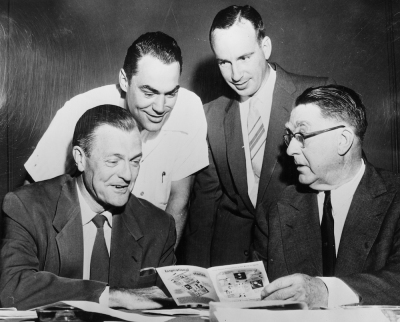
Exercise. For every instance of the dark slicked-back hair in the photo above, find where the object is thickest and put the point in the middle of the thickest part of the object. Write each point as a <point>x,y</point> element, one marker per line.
<point>156,44</point>
<point>100,115</point>
<point>227,17</point>
<point>340,103</point>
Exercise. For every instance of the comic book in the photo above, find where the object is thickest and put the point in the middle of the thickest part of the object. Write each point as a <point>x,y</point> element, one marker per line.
<point>197,286</point>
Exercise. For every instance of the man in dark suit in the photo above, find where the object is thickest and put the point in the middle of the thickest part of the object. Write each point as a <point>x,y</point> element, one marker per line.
<point>246,173</point>
<point>53,246</point>
<point>335,238</point>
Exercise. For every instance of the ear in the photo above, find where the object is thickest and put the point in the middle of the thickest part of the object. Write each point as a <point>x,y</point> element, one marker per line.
<point>346,140</point>
<point>266,47</point>
<point>79,157</point>
<point>123,80</point>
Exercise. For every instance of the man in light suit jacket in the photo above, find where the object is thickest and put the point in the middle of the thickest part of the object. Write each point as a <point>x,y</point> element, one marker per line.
<point>230,197</point>
<point>335,238</point>
<point>52,249</point>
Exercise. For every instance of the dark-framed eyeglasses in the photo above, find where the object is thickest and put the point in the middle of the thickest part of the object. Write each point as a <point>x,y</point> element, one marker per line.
<point>302,137</point>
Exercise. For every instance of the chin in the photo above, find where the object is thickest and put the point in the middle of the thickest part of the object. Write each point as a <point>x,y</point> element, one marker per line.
<point>154,127</point>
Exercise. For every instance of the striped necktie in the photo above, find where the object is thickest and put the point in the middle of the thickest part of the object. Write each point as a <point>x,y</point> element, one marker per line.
<point>257,136</point>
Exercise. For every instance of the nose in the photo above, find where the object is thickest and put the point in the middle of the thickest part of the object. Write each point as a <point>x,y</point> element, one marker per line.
<point>125,172</point>
<point>236,73</point>
<point>293,147</point>
<point>158,104</point>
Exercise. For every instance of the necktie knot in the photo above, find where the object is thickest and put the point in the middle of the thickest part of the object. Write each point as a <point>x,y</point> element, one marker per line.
<point>99,220</point>
<point>327,200</point>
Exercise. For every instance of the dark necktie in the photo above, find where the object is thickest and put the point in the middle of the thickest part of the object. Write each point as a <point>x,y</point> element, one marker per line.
<point>328,237</point>
<point>100,262</point>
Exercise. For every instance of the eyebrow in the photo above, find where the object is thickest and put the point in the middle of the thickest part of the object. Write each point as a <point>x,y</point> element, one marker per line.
<point>247,54</point>
<point>121,156</point>
<point>220,60</point>
<point>154,91</point>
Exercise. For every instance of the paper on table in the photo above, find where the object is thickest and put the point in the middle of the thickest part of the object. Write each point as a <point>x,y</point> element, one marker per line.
<point>97,308</point>
<point>179,312</point>
<point>239,315</point>
<point>12,313</point>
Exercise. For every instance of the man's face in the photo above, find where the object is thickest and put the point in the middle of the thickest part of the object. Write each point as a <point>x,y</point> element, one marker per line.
<point>318,162</point>
<point>152,92</point>
<point>241,58</point>
<point>110,172</point>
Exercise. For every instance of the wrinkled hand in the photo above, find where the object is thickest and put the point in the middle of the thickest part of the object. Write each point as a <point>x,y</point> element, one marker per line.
<point>298,287</point>
<point>137,299</point>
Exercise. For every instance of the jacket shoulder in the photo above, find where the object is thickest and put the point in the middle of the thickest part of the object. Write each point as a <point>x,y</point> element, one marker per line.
<point>38,191</point>
<point>217,106</point>
<point>389,178</point>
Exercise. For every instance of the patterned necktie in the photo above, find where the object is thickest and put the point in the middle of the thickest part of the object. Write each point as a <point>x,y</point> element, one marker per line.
<point>257,136</point>
<point>328,237</point>
<point>100,261</point>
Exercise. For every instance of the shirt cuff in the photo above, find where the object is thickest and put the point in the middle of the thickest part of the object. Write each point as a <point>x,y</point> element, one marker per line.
<point>104,297</point>
<point>339,293</point>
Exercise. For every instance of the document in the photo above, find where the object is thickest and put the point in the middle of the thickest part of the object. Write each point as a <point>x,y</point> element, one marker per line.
<point>197,286</point>
<point>240,315</point>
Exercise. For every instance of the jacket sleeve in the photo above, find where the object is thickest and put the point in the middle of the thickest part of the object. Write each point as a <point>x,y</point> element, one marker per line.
<point>23,282</point>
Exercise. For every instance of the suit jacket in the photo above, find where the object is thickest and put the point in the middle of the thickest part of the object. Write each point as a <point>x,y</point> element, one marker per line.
<point>368,258</point>
<point>42,245</point>
<point>221,217</point>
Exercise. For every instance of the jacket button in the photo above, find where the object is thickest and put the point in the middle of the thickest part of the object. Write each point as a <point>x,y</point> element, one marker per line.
<point>246,253</point>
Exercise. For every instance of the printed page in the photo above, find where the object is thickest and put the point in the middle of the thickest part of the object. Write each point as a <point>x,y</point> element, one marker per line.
<point>239,282</point>
<point>188,285</point>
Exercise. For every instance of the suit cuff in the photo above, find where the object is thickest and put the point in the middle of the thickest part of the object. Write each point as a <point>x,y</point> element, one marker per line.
<point>339,293</point>
<point>104,297</point>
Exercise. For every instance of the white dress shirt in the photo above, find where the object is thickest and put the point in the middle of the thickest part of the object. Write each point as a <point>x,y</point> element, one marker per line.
<point>341,198</point>
<point>263,102</point>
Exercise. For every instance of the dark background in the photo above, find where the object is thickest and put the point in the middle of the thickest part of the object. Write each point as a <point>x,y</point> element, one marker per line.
<point>51,50</point>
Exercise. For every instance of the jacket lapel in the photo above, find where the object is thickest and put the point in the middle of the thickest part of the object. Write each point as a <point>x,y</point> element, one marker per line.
<point>280,111</point>
<point>301,235</point>
<point>68,224</point>
<point>364,219</point>
<point>126,251</point>
<point>235,151</point>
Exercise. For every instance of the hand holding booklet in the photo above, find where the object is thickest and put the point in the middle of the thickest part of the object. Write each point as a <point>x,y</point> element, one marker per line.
<point>197,286</point>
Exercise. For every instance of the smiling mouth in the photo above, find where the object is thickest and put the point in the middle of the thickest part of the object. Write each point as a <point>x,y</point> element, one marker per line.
<point>157,118</point>
<point>241,84</point>
<point>121,188</point>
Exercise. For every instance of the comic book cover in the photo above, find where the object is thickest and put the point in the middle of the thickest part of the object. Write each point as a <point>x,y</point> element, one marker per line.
<point>196,286</point>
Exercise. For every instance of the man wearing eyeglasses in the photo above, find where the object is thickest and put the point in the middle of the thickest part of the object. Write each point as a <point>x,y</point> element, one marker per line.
<point>335,238</point>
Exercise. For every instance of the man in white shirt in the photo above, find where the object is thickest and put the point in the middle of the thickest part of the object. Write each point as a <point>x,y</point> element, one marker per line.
<point>335,238</point>
<point>234,192</point>
<point>87,237</point>
<point>170,119</point>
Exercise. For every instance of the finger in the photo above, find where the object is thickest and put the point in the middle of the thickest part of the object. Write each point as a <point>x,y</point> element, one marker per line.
<point>278,284</point>
<point>282,294</point>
